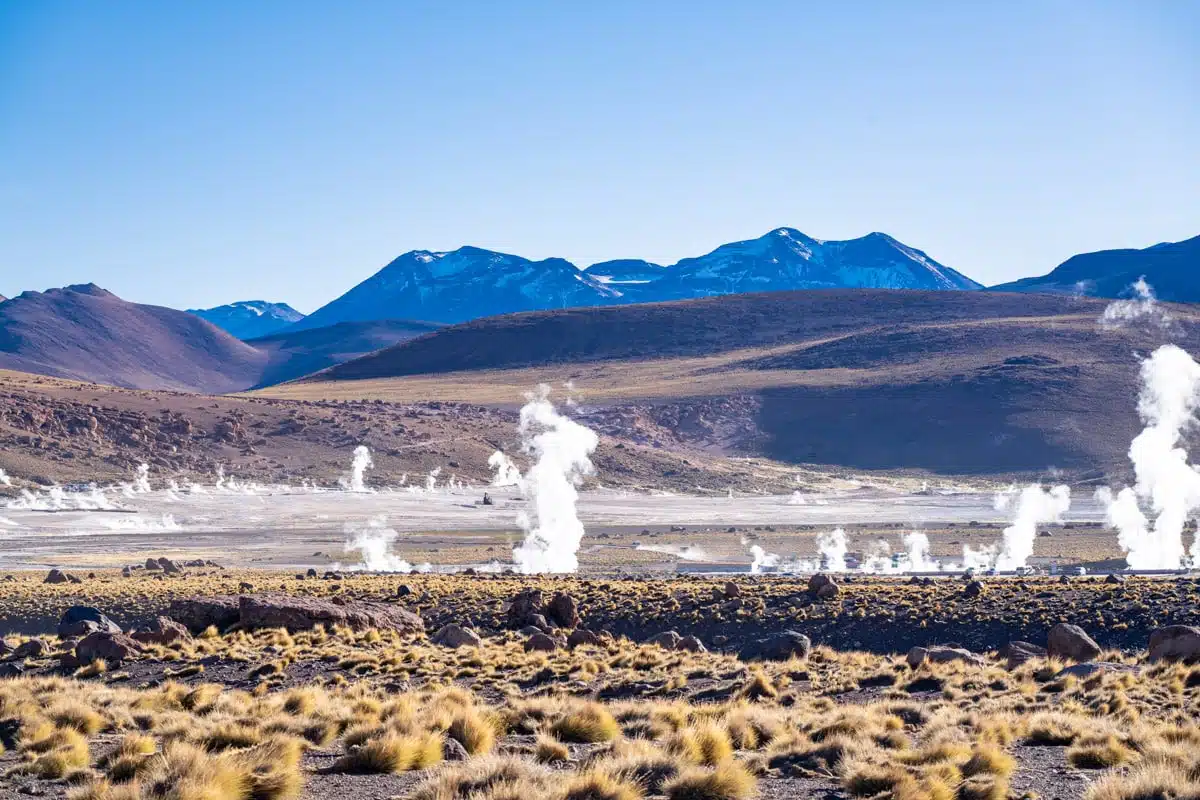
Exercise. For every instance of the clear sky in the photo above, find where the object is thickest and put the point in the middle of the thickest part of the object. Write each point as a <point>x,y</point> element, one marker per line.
<point>197,153</point>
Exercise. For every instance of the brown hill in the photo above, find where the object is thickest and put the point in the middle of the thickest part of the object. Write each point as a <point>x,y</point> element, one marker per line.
<point>87,333</point>
<point>962,383</point>
<point>295,353</point>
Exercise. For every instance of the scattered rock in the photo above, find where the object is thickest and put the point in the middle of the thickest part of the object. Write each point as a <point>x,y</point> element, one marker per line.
<point>1113,578</point>
<point>667,640</point>
<point>403,590</point>
<point>1175,643</point>
<point>941,654</point>
<point>524,606</point>
<point>34,648</point>
<point>162,630</point>
<point>582,636</point>
<point>732,590</point>
<point>82,620</point>
<point>692,644</point>
<point>972,590</point>
<point>56,576</point>
<point>817,581</point>
<point>829,591</point>
<point>1089,668</point>
<point>453,750</point>
<point>779,647</point>
<point>112,647</point>
<point>1071,642</point>
<point>1017,653</point>
<point>310,573</point>
<point>11,670</point>
<point>562,610</point>
<point>456,636</point>
<point>540,642</point>
<point>168,566</point>
<point>152,565</point>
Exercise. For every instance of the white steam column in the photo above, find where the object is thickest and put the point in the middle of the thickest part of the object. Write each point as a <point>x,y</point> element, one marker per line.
<point>562,449</point>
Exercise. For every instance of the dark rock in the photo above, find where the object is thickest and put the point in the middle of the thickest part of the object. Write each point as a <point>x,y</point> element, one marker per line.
<point>582,636</point>
<point>1089,668</point>
<point>816,582</point>
<point>168,566</point>
<point>83,620</point>
<point>1017,653</point>
<point>667,640</point>
<point>198,613</point>
<point>55,576</point>
<point>1071,642</point>
<point>34,648</point>
<point>562,610</point>
<point>779,647</point>
<point>540,642</point>
<point>403,590</point>
<point>973,589</point>
<point>456,636</point>
<point>1175,643</point>
<point>304,613</point>
<point>453,750</point>
<point>940,654</point>
<point>114,648</point>
<point>1112,578</point>
<point>162,630</point>
<point>310,573</point>
<point>11,670</point>
<point>732,590</point>
<point>524,606</point>
<point>691,644</point>
<point>152,565</point>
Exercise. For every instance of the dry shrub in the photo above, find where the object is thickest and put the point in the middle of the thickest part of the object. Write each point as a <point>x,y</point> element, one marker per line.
<point>1100,753</point>
<point>392,753</point>
<point>588,723</point>
<point>476,734</point>
<point>727,781</point>
<point>551,751</point>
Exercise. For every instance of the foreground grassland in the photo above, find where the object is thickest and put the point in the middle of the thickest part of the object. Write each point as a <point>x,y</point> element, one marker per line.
<point>330,711</point>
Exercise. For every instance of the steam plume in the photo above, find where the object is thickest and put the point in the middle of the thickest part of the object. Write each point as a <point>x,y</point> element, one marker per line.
<point>1035,506</point>
<point>1167,405</point>
<point>505,472</point>
<point>562,448</point>
<point>917,558</point>
<point>4,479</point>
<point>762,559</point>
<point>353,480</point>
<point>832,547</point>
<point>374,542</point>
<point>1143,306</point>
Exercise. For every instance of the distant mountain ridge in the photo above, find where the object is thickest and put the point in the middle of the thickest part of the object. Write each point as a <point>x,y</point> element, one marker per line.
<point>248,319</point>
<point>471,282</point>
<point>1172,268</point>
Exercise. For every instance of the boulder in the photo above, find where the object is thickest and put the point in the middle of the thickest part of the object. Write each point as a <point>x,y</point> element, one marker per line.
<point>112,647</point>
<point>816,582</point>
<point>305,613</point>
<point>582,636</point>
<point>453,750</point>
<point>667,640</point>
<point>524,607</point>
<point>732,590</point>
<point>1089,668</point>
<point>779,647</point>
<point>1071,642</point>
<point>941,654</point>
<point>972,590</point>
<point>168,566</point>
<point>198,613</point>
<point>540,642</point>
<point>56,576</point>
<point>456,636</point>
<point>162,630</point>
<point>34,648</point>
<point>829,591</point>
<point>82,620</point>
<point>1017,653</point>
<point>562,610</point>
<point>692,644</point>
<point>1175,643</point>
<point>152,565</point>
<point>11,670</point>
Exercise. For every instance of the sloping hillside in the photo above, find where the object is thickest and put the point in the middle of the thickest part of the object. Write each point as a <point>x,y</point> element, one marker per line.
<point>1172,268</point>
<point>295,353</point>
<point>86,333</point>
<point>948,382</point>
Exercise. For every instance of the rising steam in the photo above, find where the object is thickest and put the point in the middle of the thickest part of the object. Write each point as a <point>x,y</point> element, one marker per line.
<point>504,471</point>
<point>1035,506</point>
<point>1142,307</point>
<point>354,480</point>
<point>374,543</point>
<point>1165,480</point>
<point>562,449</point>
<point>4,479</point>
<point>832,547</point>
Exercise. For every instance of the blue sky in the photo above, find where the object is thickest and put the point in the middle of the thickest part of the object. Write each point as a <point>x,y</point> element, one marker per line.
<point>198,153</point>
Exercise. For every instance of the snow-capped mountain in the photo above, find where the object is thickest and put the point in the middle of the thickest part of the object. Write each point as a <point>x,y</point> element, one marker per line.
<point>248,319</point>
<point>470,282</point>
<point>463,284</point>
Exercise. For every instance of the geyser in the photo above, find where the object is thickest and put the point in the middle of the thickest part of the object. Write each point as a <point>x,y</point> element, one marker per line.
<point>354,481</point>
<point>1165,480</point>
<point>561,448</point>
<point>504,471</point>
<point>832,547</point>
<point>374,543</point>
<point>1035,506</point>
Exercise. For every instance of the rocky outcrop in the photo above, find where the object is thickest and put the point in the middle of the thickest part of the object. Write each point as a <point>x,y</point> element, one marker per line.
<point>162,630</point>
<point>198,613</point>
<point>1017,653</point>
<point>529,607</point>
<point>305,613</point>
<point>1071,642</point>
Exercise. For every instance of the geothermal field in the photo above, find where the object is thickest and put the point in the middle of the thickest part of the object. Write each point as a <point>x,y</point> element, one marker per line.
<point>543,635</point>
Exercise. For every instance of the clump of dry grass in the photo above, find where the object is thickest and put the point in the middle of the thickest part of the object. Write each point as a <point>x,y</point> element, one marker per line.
<point>551,751</point>
<point>473,731</point>
<point>726,781</point>
<point>1099,753</point>
<point>587,723</point>
<point>392,753</point>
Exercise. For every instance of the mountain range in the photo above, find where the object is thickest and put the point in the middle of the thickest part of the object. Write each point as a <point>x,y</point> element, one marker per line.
<point>470,282</point>
<point>248,319</point>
